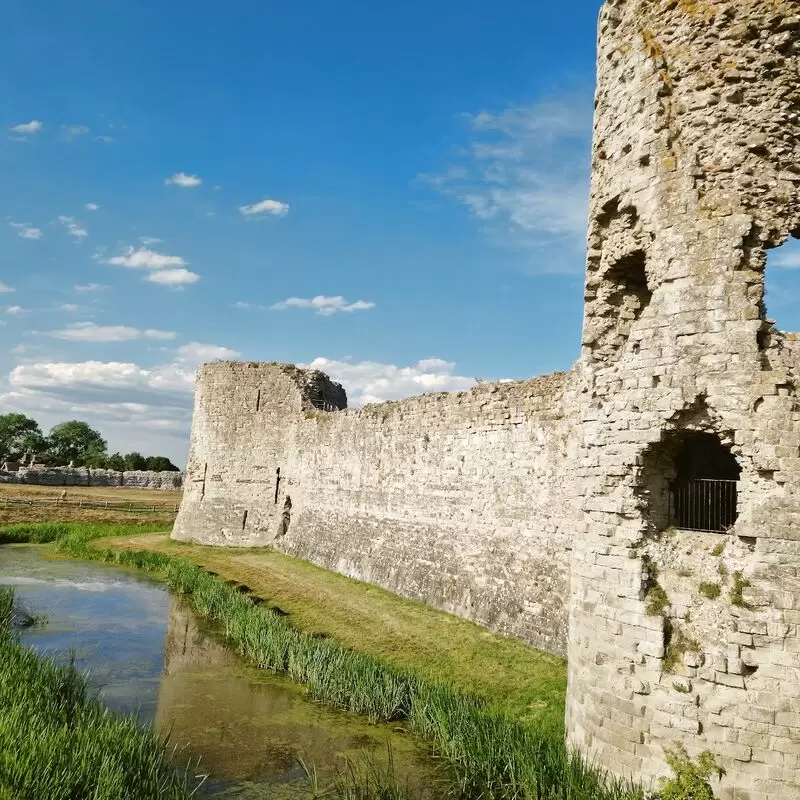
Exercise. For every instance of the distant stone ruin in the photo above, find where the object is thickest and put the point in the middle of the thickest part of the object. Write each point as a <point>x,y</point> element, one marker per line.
<point>640,513</point>
<point>12,472</point>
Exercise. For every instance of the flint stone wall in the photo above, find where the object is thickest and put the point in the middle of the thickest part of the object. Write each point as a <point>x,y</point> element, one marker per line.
<point>696,175</point>
<point>456,500</point>
<point>84,476</point>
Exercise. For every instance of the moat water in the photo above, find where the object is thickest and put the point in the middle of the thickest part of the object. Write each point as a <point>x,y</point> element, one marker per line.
<point>147,653</point>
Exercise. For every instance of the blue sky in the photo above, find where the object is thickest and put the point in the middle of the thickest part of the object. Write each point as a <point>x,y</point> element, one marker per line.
<point>393,192</point>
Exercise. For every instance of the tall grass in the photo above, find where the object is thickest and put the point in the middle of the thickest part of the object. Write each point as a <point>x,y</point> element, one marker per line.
<point>487,752</point>
<point>60,743</point>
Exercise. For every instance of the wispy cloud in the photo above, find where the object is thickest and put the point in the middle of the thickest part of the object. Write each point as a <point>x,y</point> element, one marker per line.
<point>72,132</point>
<point>274,208</point>
<point>27,128</point>
<point>69,307</point>
<point>91,332</point>
<point>183,180</point>
<point>83,288</point>
<point>788,257</point>
<point>524,176</point>
<point>73,228</point>
<point>5,288</point>
<point>26,230</point>
<point>173,277</point>
<point>15,311</point>
<point>104,139</point>
<point>91,207</point>
<point>326,306</point>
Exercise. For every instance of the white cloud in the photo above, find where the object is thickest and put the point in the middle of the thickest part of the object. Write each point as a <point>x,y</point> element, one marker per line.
<point>165,270</point>
<point>184,180</point>
<point>197,353</point>
<point>91,332</point>
<point>324,305</point>
<point>34,126</point>
<point>524,176</point>
<point>4,289</point>
<point>148,240</point>
<point>73,228</point>
<point>26,230</point>
<point>70,307</point>
<point>240,304</point>
<point>83,288</point>
<point>104,139</point>
<point>373,382</point>
<point>173,277</point>
<point>271,207</point>
<point>144,258</point>
<point>70,132</point>
<point>15,311</point>
<point>91,207</point>
<point>144,408</point>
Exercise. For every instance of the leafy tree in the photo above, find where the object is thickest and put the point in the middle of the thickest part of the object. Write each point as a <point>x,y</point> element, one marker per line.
<point>161,464</point>
<point>135,461</point>
<point>75,441</point>
<point>18,434</point>
<point>95,457</point>
<point>115,461</point>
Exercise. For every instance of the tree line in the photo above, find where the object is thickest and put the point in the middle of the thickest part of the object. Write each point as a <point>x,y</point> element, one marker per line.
<point>74,442</point>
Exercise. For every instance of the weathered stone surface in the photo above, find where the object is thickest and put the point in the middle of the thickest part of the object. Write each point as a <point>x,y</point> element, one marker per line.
<point>542,506</point>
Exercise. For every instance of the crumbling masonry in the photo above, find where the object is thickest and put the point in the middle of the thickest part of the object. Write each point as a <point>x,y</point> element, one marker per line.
<point>551,509</point>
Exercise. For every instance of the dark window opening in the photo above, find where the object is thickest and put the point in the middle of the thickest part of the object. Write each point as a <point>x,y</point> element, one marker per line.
<point>244,520</point>
<point>277,483</point>
<point>629,290</point>
<point>258,400</point>
<point>690,482</point>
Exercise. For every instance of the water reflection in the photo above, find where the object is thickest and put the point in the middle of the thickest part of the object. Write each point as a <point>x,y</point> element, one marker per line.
<point>147,651</point>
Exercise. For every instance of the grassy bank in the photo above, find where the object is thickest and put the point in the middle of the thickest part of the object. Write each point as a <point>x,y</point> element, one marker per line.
<point>529,684</point>
<point>60,743</point>
<point>489,753</point>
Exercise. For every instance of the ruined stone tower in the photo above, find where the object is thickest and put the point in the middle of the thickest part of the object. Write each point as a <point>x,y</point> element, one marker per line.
<point>696,174</point>
<point>640,513</point>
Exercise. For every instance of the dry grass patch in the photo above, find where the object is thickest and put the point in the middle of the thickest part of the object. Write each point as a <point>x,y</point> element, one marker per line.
<point>164,502</point>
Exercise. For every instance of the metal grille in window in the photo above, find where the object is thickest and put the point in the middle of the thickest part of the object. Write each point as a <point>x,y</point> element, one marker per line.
<point>703,504</point>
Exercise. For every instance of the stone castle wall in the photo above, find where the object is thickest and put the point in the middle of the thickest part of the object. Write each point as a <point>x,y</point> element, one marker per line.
<point>456,500</point>
<point>84,476</point>
<point>544,506</point>
<point>696,174</point>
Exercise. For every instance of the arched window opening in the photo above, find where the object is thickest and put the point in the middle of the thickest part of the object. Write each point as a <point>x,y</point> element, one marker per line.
<point>690,482</point>
<point>780,308</point>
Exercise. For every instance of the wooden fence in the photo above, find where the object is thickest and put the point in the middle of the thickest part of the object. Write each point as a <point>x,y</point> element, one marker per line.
<point>165,508</point>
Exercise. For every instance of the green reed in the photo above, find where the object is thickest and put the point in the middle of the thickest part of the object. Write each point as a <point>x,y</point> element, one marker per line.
<point>59,742</point>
